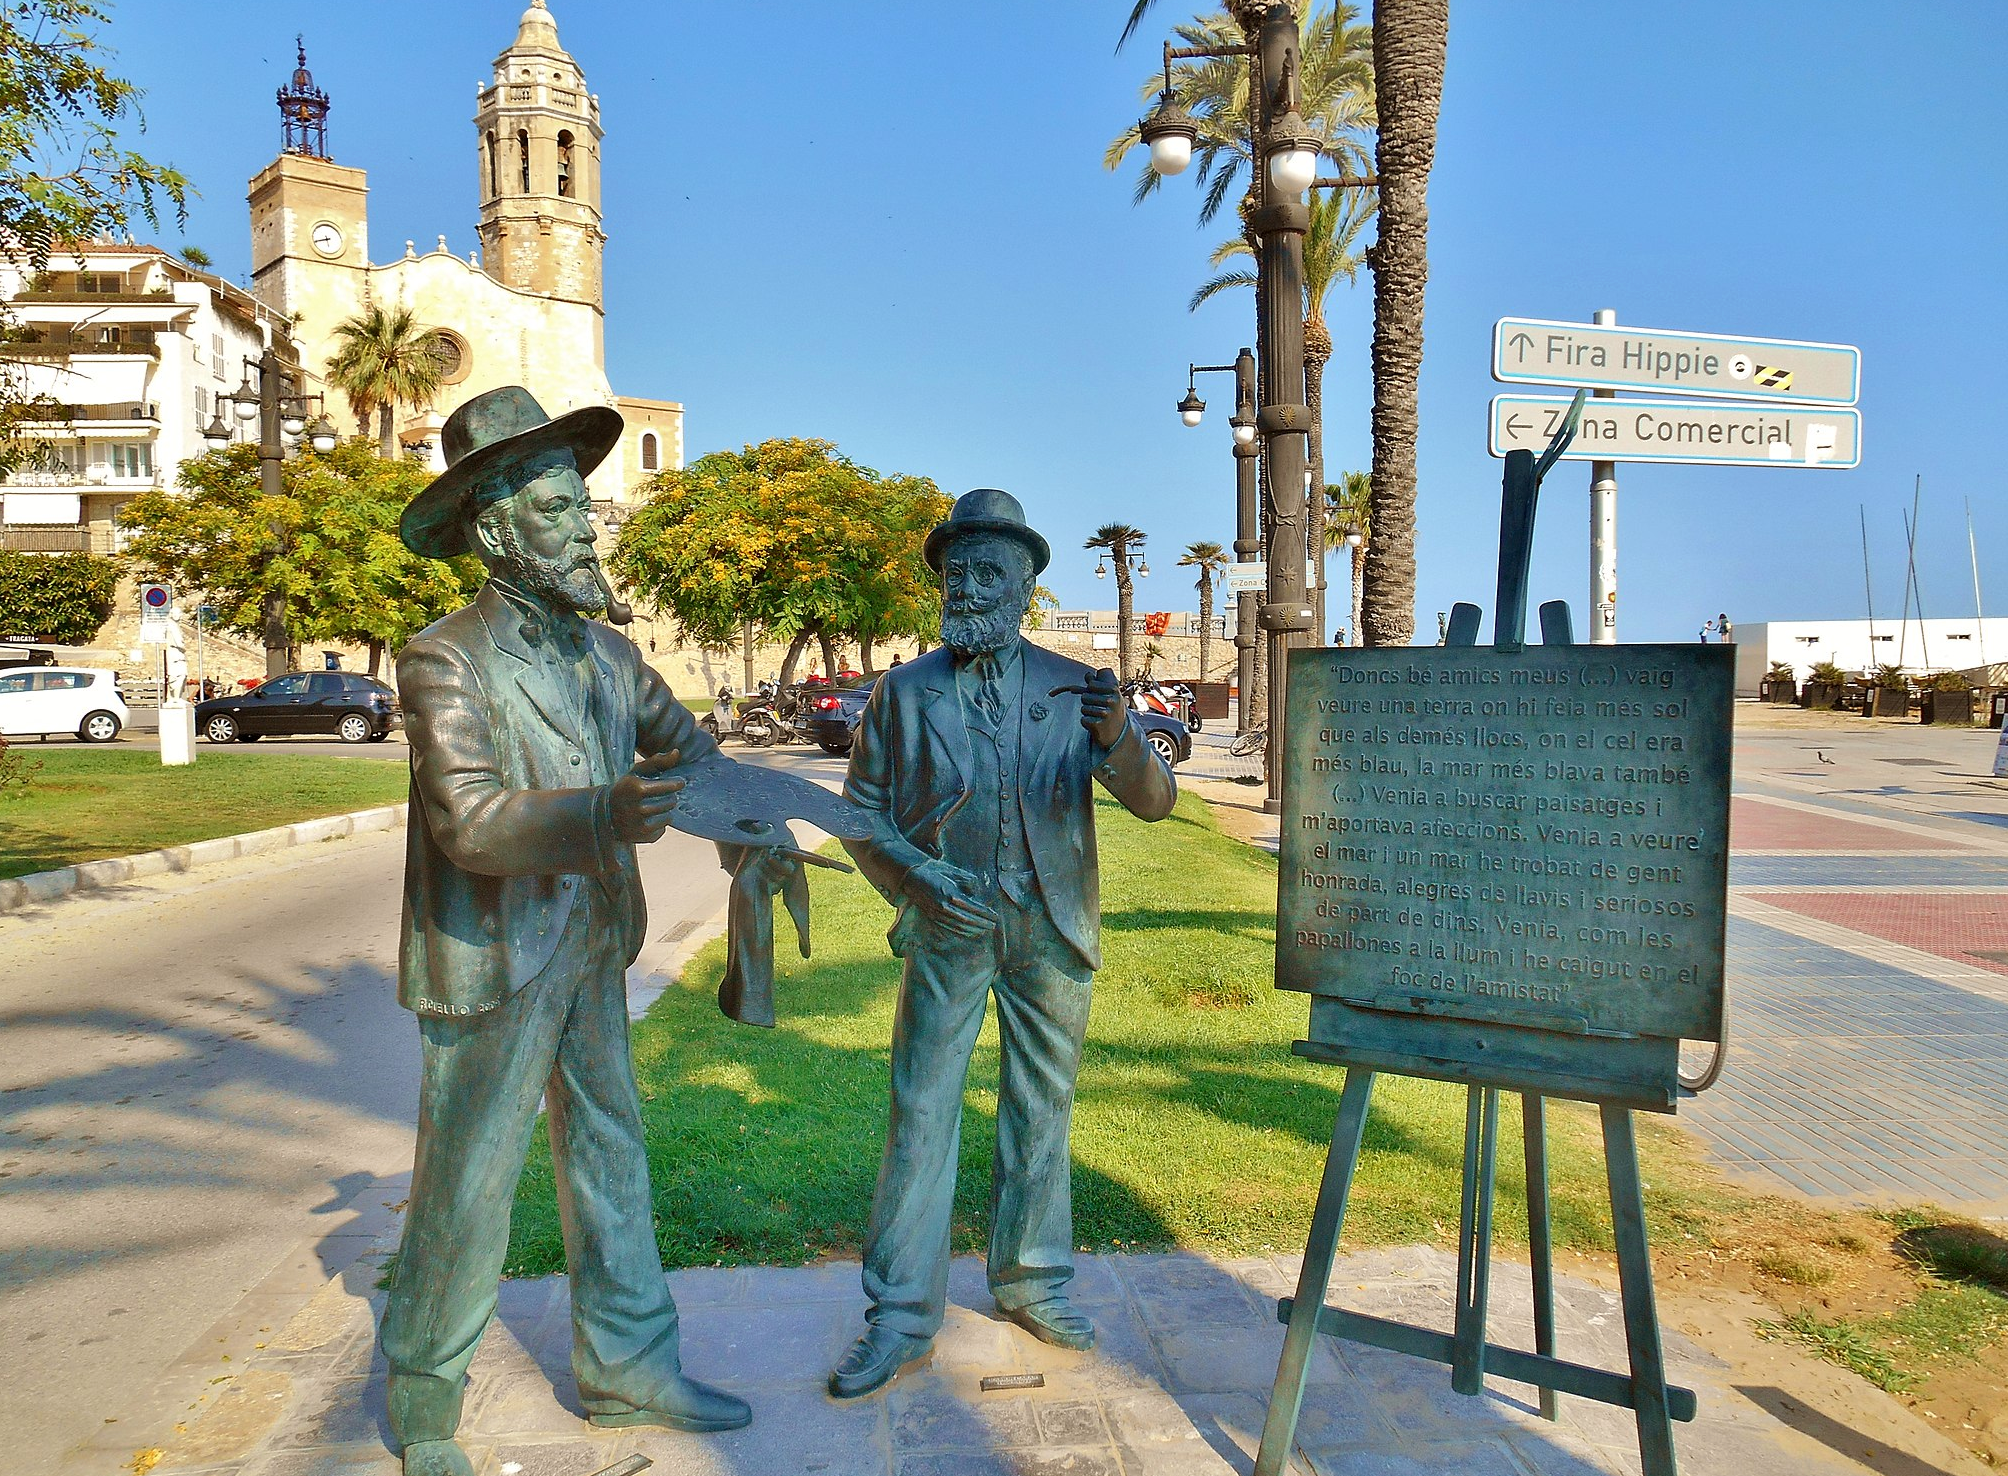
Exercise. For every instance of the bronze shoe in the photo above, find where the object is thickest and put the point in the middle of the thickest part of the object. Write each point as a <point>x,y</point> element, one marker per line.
<point>1055,1321</point>
<point>874,1360</point>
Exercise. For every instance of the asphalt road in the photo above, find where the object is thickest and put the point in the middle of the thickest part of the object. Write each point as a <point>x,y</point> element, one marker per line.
<point>201,1071</point>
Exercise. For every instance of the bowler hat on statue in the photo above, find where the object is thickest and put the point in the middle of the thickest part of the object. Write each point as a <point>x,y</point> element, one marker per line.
<point>986,510</point>
<point>490,433</point>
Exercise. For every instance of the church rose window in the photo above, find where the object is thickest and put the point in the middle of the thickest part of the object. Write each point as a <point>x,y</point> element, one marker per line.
<point>449,351</point>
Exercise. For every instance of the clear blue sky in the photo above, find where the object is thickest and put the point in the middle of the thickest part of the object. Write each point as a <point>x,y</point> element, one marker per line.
<point>889,226</point>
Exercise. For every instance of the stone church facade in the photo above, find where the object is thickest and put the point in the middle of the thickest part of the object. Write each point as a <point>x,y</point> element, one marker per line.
<point>526,308</point>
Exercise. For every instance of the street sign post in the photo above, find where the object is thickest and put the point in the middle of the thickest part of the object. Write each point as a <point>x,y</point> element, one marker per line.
<point>1248,578</point>
<point>1686,432</point>
<point>1672,362</point>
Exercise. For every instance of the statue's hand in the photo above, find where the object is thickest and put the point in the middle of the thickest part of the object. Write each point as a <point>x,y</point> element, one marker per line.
<point>1103,712</point>
<point>946,896</point>
<point>642,802</point>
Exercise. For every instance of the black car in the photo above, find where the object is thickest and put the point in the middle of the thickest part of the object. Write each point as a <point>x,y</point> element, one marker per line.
<point>833,722</point>
<point>344,704</point>
<point>831,713</point>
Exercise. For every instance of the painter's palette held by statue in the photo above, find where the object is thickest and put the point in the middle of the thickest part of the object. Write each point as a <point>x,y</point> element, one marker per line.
<point>1509,869</point>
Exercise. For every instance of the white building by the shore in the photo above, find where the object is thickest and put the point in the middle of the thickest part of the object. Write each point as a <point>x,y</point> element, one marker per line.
<point>1918,646</point>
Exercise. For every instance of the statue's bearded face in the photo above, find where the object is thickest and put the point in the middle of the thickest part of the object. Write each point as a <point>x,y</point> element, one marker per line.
<point>539,536</point>
<point>986,588</point>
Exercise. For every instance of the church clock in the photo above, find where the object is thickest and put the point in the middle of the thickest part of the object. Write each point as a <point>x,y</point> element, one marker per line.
<point>328,239</point>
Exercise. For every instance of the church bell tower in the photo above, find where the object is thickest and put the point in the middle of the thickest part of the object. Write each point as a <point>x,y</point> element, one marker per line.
<point>538,136</point>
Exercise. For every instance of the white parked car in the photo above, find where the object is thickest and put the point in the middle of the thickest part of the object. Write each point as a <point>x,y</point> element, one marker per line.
<point>61,699</point>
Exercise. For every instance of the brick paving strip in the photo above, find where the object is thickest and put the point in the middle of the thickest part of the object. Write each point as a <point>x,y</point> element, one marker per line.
<point>1177,1387</point>
<point>1868,988</point>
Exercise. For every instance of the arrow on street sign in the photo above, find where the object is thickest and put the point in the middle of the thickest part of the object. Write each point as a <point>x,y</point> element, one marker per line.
<point>1687,432</point>
<point>1671,362</point>
<point>1248,578</point>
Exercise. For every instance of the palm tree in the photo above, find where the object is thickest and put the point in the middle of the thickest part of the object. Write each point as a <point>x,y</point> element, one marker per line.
<point>1331,256</point>
<point>1410,41</point>
<point>1210,559</point>
<point>1349,525</point>
<point>385,360</point>
<point>1117,541</point>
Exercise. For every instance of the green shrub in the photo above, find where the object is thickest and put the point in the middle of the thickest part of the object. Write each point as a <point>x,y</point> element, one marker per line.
<point>1826,671</point>
<point>61,598</point>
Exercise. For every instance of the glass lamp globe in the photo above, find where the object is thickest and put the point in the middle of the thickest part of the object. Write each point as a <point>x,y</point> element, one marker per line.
<point>216,433</point>
<point>1191,408</point>
<point>1143,570</point>
<point>1244,433</point>
<point>246,401</point>
<point>1292,170</point>
<point>321,435</point>
<point>1101,571</point>
<point>293,421</point>
<point>1170,153</point>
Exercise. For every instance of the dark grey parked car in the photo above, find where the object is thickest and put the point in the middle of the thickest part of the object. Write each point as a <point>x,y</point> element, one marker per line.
<point>342,704</point>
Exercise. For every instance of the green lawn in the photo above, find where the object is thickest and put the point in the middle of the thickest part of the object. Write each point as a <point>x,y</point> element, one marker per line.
<point>87,803</point>
<point>1194,1124</point>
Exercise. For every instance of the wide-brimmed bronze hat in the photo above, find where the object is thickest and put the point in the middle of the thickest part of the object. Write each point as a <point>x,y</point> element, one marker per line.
<point>986,510</point>
<point>485,435</point>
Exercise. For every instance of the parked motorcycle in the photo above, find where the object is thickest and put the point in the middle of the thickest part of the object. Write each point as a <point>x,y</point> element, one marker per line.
<point>1171,699</point>
<point>777,715</point>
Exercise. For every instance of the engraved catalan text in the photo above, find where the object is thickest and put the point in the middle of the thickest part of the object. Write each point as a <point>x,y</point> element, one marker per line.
<point>1537,835</point>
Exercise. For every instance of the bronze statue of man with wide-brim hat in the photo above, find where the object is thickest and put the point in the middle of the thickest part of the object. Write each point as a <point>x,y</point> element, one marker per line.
<point>522,910</point>
<point>978,763</point>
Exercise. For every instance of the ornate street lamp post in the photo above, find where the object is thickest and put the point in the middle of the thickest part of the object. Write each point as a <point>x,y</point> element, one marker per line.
<point>1286,153</point>
<point>275,402</point>
<point>1247,509</point>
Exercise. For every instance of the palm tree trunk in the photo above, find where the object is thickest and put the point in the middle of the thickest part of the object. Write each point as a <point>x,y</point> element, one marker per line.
<point>1359,558</point>
<point>1205,618</point>
<point>1410,41</point>
<point>1317,354</point>
<point>386,437</point>
<point>1122,612</point>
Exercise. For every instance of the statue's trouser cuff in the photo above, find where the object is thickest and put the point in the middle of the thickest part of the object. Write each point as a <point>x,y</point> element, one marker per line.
<point>423,1407</point>
<point>1042,989</point>
<point>562,1037</point>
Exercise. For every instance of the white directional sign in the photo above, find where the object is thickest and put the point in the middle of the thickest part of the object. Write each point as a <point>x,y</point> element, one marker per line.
<point>1667,361</point>
<point>1251,578</point>
<point>1688,431</point>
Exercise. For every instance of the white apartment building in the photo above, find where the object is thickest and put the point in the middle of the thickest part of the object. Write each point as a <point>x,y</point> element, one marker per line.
<point>135,347</point>
<point>1919,646</point>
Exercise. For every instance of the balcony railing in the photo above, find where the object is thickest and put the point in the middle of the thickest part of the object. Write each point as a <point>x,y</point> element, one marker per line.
<point>31,477</point>
<point>54,343</point>
<point>55,539</point>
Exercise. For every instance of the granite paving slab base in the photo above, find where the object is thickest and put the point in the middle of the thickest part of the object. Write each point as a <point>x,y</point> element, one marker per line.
<point>1178,1386</point>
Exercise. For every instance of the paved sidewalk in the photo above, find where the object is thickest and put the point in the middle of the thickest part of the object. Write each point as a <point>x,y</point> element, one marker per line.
<point>1178,1386</point>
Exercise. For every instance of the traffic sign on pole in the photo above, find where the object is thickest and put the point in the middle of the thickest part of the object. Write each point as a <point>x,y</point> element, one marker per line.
<point>1673,362</point>
<point>1691,432</point>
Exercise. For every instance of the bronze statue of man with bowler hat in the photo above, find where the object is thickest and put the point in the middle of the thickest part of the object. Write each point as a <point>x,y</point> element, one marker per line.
<point>522,910</point>
<point>977,761</point>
